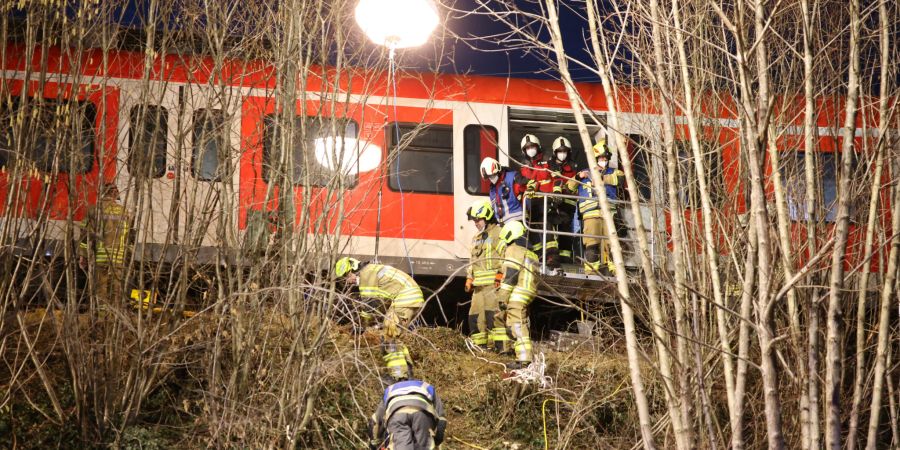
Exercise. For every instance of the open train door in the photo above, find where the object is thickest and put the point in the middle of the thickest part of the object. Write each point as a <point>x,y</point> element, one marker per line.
<point>149,116</point>
<point>478,130</point>
<point>208,161</point>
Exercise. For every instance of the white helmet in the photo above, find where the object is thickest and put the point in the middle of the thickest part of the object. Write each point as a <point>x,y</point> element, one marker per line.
<point>489,166</point>
<point>561,143</point>
<point>530,139</point>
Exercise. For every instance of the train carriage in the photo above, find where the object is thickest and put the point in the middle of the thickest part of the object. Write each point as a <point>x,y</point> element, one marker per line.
<point>195,153</point>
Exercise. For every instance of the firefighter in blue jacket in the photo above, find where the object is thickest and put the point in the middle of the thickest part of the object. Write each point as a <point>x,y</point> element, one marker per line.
<point>506,190</point>
<point>409,417</point>
<point>596,250</point>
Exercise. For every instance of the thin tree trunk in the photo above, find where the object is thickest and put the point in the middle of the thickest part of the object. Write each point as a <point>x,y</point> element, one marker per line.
<point>661,335</point>
<point>809,404</point>
<point>676,215</point>
<point>887,295</point>
<point>883,122</point>
<point>833,355</point>
<point>637,384</point>
<point>708,220</point>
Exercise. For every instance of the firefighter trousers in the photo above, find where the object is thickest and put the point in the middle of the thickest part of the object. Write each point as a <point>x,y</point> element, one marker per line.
<point>110,279</point>
<point>410,429</point>
<point>396,355</point>
<point>483,317</point>
<point>517,328</point>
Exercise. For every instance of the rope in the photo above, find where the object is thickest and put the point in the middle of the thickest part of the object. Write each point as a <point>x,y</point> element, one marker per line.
<point>533,374</point>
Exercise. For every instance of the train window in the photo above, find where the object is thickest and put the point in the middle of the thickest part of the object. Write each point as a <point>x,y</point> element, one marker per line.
<point>687,174</point>
<point>793,170</point>
<point>147,141</point>
<point>210,145</point>
<point>639,152</point>
<point>479,142</point>
<point>425,161</point>
<point>315,151</point>
<point>43,131</point>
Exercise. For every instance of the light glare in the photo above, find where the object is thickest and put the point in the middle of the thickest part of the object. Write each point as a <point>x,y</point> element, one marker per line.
<point>397,23</point>
<point>347,155</point>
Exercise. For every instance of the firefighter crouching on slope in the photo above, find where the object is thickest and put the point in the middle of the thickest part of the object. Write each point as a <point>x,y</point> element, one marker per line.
<point>563,170</point>
<point>383,282</point>
<point>484,322</point>
<point>538,178</point>
<point>105,242</point>
<point>518,286</point>
<point>409,417</point>
<point>596,250</point>
<point>506,188</point>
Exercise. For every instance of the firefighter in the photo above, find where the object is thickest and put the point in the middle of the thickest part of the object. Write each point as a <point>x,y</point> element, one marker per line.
<point>105,242</point>
<point>409,417</point>
<point>596,250</point>
<point>518,286</point>
<point>506,189</point>
<point>538,178</point>
<point>380,282</point>
<point>484,323</point>
<point>563,169</point>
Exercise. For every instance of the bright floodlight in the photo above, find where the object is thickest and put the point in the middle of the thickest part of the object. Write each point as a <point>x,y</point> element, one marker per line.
<point>397,23</point>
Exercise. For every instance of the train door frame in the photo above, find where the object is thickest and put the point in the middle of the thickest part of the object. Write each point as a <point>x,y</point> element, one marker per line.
<point>225,101</point>
<point>152,206</point>
<point>468,114</point>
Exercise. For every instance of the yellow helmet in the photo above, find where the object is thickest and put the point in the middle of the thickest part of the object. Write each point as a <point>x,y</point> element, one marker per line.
<point>600,149</point>
<point>481,209</point>
<point>345,265</point>
<point>511,231</point>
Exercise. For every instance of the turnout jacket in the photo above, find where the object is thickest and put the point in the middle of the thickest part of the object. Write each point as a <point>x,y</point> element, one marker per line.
<point>588,205</point>
<point>105,233</point>
<point>505,196</point>
<point>408,394</point>
<point>519,270</point>
<point>380,281</point>
<point>485,259</point>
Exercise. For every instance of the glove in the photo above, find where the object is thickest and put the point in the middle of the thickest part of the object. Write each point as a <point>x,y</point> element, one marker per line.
<point>531,186</point>
<point>469,282</point>
<point>497,279</point>
<point>501,306</point>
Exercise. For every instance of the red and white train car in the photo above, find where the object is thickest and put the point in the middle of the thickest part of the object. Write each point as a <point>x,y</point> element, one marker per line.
<point>199,145</point>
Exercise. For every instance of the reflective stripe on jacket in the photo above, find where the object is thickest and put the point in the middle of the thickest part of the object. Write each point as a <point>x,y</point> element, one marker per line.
<point>588,205</point>
<point>520,270</point>
<point>387,283</point>
<point>485,259</point>
<point>106,229</point>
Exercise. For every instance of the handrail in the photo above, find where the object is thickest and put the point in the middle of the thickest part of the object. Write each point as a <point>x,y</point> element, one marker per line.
<point>544,231</point>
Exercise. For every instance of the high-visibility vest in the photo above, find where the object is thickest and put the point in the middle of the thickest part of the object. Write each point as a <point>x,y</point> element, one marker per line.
<point>387,283</point>
<point>485,259</point>
<point>107,228</point>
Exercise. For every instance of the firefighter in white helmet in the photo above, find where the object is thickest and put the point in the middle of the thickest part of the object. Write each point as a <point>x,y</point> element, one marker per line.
<point>563,169</point>
<point>538,179</point>
<point>506,190</point>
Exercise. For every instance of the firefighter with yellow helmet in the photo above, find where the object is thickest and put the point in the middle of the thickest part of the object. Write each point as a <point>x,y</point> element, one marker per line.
<point>105,242</point>
<point>518,287</point>
<point>596,250</point>
<point>484,322</point>
<point>403,298</point>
